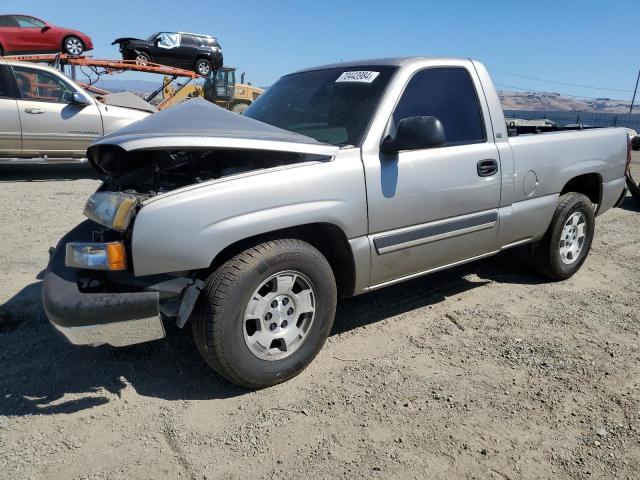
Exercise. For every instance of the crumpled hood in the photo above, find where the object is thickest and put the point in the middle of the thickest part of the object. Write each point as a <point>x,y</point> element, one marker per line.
<point>198,123</point>
<point>127,39</point>
<point>128,100</point>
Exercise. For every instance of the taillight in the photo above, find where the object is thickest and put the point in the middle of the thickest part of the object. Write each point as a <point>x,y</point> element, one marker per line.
<point>627,168</point>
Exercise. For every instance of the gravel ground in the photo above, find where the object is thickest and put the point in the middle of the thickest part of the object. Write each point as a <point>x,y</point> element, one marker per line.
<point>483,371</point>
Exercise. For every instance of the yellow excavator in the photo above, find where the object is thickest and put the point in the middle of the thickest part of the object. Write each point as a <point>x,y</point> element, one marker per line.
<point>219,87</point>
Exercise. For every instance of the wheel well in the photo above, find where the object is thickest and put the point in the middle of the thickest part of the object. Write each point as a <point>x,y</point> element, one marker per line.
<point>75,36</point>
<point>329,239</point>
<point>589,184</point>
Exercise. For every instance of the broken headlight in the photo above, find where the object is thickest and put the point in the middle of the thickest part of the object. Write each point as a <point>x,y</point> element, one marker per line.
<point>111,209</point>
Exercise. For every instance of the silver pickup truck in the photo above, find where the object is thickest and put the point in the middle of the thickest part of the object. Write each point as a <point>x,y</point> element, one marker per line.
<point>339,180</point>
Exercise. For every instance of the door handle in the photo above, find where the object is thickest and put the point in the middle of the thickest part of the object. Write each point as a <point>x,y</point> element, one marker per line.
<point>34,111</point>
<point>487,167</point>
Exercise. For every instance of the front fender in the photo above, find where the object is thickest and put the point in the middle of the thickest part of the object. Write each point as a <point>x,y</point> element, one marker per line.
<point>187,230</point>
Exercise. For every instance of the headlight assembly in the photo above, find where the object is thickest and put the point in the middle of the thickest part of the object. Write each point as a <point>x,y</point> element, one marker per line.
<point>111,209</point>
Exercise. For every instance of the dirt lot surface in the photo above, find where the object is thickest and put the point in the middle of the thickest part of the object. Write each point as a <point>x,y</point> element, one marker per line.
<point>484,371</point>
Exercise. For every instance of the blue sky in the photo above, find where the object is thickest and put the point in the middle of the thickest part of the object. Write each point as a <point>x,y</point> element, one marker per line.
<point>584,42</point>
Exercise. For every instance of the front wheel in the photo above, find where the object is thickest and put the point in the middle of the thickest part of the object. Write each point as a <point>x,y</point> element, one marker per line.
<point>142,58</point>
<point>634,187</point>
<point>73,46</point>
<point>264,314</point>
<point>566,244</point>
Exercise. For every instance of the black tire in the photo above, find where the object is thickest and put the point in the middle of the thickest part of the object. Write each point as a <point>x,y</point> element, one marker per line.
<point>634,188</point>
<point>544,254</point>
<point>218,320</point>
<point>72,45</point>
<point>239,108</point>
<point>203,66</point>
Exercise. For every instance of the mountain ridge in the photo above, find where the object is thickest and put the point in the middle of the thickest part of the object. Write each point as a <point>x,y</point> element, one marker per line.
<point>511,100</point>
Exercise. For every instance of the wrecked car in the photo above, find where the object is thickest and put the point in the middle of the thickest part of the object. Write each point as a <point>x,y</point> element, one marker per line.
<point>197,52</point>
<point>339,180</point>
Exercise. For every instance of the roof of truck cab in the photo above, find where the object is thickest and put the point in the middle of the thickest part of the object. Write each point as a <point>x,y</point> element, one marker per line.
<point>382,62</point>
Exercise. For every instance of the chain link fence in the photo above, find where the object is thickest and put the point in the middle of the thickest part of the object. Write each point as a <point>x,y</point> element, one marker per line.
<point>586,118</point>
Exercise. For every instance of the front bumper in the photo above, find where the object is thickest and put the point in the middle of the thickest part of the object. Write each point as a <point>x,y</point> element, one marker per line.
<point>117,319</point>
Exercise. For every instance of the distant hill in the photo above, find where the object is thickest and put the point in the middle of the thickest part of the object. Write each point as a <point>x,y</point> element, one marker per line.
<point>536,101</point>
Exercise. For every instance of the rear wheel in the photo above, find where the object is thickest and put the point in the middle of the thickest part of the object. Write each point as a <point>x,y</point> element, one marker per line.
<point>203,66</point>
<point>565,246</point>
<point>265,313</point>
<point>73,46</point>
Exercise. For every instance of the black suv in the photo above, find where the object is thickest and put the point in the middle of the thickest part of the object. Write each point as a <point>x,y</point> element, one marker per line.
<point>201,53</point>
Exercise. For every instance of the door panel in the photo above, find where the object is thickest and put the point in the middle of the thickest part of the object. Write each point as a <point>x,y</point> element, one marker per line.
<point>51,124</point>
<point>13,41</point>
<point>58,129</point>
<point>165,50</point>
<point>10,135</point>
<point>434,207</point>
<point>429,208</point>
<point>32,38</point>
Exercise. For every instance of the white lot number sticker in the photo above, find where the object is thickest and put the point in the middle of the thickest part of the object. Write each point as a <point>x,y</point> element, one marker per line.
<point>362,77</point>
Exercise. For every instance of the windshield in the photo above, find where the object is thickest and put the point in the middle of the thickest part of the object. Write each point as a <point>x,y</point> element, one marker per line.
<point>152,37</point>
<point>333,106</point>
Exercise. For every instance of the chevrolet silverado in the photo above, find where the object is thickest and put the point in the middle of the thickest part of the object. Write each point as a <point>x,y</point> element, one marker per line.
<point>338,180</point>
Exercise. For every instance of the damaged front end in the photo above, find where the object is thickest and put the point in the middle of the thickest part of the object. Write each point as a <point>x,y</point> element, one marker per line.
<point>91,291</point>
<point>152,172</point>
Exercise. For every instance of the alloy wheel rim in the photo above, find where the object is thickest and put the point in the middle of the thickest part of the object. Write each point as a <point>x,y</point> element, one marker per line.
<point>279,315</point>
<point>74,47</point>
<point>573,237</point>
<point>203,68</point>
<point>141,59</point>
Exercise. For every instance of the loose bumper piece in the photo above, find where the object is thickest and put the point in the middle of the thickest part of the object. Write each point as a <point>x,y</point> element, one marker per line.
<point>117,319</point>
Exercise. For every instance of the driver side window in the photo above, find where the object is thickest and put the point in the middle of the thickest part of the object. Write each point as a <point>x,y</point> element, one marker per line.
<point>42,86</point>
<point>29,22</point>
<point>448,94</point>
<point>168,40</point>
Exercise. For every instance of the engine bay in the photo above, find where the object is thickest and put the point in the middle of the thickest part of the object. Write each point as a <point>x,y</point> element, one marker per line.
<point>152,172</point>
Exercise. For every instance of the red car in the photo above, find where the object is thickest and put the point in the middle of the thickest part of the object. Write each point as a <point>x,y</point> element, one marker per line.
<point>20,34</point>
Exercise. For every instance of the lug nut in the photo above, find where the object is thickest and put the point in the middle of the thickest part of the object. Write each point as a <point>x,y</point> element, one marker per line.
<point>285,301</point>
<point>274,304</point>
<point>290,311</point>
<point>268,316</point>
<point>272,327</point>
<point>284,324</point>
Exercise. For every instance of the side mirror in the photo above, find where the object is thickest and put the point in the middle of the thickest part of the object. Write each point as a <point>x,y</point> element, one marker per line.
<point>46,27</point>
<point>78,99</point>
<point>414,133</point>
